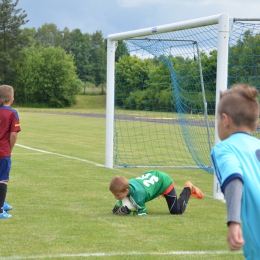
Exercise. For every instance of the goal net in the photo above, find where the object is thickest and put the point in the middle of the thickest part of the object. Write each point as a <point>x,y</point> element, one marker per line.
<point>165,85</point>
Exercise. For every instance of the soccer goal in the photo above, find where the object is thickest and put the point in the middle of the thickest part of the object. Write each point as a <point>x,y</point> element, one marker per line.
<point>163,84</point>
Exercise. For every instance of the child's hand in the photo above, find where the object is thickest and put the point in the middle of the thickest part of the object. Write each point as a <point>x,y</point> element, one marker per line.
<point>124,210</point>
<point>234,236</point>
<point>117,206</point>
<point>115,209</point>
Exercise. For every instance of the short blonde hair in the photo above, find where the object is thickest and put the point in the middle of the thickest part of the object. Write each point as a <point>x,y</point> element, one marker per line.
<point>119,184</point>
<point>241,104</point>
<point>6,94</point>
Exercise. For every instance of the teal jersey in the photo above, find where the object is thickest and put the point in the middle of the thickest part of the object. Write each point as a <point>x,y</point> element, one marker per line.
<point>147,187</point>
<point>239,157</point>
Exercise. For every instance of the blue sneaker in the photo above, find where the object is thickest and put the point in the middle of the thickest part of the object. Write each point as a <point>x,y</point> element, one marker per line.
<point>5,215</point>
<point>7,207</point>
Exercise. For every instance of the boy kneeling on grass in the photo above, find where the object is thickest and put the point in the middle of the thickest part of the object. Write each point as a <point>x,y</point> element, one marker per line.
<point>149,186</point>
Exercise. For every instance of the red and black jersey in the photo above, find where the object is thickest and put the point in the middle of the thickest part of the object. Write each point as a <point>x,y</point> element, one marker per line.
<point>9,122</point>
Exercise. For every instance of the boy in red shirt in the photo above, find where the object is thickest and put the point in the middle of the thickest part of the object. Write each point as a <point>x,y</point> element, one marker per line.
<point>9,127</point>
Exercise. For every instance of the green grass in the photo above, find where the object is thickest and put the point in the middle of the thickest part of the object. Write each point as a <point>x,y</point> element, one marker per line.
<point>85,104</point>
<point>62,208</point>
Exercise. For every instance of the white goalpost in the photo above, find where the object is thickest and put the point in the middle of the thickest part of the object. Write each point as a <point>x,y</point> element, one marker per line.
<point>152,118</point>
<point>223,36</point>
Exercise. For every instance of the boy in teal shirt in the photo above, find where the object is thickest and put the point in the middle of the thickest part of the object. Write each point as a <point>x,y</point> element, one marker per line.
<point>236,161</point>
<point>149,186</point>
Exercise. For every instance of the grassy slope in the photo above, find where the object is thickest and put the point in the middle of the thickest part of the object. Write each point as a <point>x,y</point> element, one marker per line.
<point>85,104</point>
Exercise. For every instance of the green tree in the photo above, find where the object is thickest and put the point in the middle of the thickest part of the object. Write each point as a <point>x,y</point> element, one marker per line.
<point>46,77</point>
<point>65,44</point>
<point>98,58</point>
<point>132,74</point>
<point>49,35</point>
<point>80,48</point>
<point>158,92</point>
<point>244,59</point>
<point>11,38</point>
<point>121,50</point>
<point>30,34</point>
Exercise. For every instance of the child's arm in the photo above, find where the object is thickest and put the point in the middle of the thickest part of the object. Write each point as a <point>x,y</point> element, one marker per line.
<point>13,138</point>
<point>142,211</point>
<point>139,203</point>
<point>233,195</point>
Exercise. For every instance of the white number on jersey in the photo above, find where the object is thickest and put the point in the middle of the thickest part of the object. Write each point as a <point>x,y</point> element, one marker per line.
<point>147,182</point>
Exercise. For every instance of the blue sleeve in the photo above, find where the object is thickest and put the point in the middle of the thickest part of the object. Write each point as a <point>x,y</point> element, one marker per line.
<point>226,165</point>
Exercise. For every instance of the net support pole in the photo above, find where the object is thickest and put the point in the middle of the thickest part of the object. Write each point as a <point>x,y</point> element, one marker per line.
<point>110,96</point>
<point>222,75</point>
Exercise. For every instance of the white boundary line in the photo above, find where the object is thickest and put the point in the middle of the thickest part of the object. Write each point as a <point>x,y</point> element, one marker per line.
<point>101,254</point>
<point>61,155</point>
<point>71,157</point>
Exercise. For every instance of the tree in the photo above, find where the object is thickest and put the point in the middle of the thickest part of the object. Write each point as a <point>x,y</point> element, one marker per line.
<point>80,48</point>
<point>29,34</point>
<point>46,77</point>
<point>132,74</point>
<point>98,58</point>
<point>121,50</point>
<point>49,35</point>
<point>244,59</point>
<point>66,39</point>
<point>11,38</point>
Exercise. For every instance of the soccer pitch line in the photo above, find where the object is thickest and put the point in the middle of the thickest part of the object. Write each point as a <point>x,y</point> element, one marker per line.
<point>70,157</point>
<point>61,155</point>
<point>102,254</point>
<point>83,160</point>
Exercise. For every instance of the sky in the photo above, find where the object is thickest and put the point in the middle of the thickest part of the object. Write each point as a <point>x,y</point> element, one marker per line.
<point>116,16</point>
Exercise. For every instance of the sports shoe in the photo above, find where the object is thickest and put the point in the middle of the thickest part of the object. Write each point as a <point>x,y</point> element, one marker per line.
<point>194,191</point>
<point>5,215</point>
<point>7,207</point>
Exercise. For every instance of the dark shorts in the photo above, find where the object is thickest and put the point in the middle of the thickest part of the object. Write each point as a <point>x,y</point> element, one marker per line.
<point>5,167</point>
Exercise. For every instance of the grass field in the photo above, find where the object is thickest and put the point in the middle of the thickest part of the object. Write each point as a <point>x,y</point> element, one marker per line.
<point>62,208</point>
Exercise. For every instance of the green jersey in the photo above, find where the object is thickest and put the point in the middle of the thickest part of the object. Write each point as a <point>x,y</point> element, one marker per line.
<point>147,187</point>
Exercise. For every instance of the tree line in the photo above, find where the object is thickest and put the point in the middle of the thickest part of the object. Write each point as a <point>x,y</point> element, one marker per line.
<point>47,66</point>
